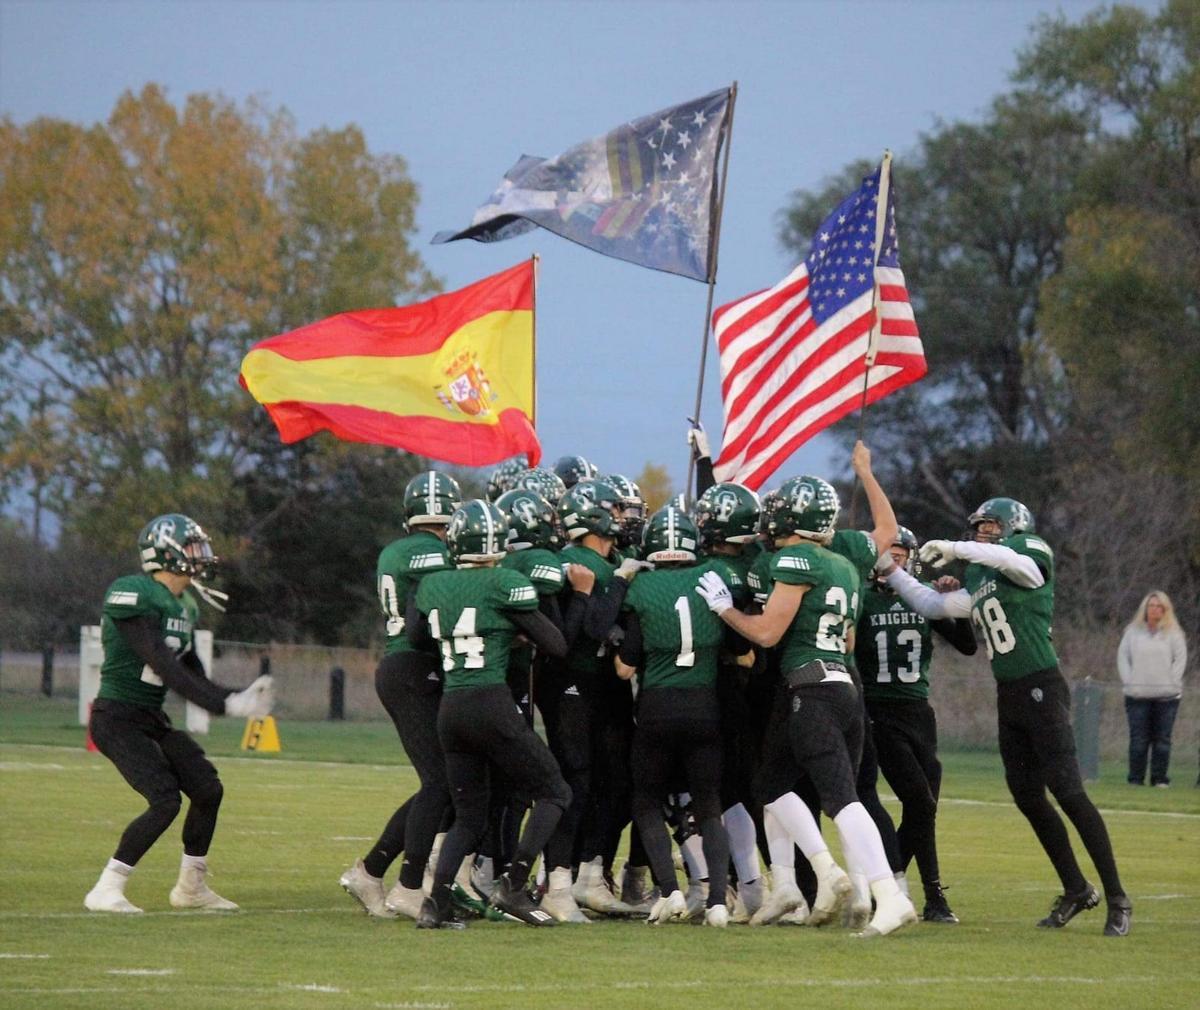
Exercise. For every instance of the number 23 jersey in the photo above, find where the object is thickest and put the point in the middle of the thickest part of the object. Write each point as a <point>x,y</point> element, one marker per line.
<point>827,611</point>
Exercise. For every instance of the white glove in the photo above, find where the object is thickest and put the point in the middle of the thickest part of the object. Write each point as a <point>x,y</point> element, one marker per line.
<point>716,594</point>
<point>255,701</point>
<point>883,563</point>
<point>628,568</point>
<point>939,553</point>
<point>698,439</point>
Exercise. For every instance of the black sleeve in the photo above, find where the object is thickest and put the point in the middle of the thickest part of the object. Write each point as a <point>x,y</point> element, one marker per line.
<point>185,677</point>
<point>577,607</point>
<point>605,609</point>
<point>548,605</point>
<point>416,624</point>
<point>958,632</point>
<point>735,643</point>
<point>704,474</point>
<point>540,631</point>
<point>632,651</point>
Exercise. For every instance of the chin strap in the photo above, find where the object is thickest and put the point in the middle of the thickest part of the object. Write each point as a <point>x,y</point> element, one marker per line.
<point>213,597</point>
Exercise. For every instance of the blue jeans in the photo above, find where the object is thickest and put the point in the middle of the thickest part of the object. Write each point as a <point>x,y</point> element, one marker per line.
<point>1150,723</point>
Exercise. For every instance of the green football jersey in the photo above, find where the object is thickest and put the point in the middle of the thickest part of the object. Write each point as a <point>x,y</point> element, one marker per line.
<point>123,676</point>
<point>466,615</point>
<point>540,566</point>
<point>680,635</point>
<point>401,566</point>
<point>735,570</point>
<point>758,578</point>
<point>1016,622</point>
<point>829,607</point>
<point>893,646</point>
<point>586,656</point>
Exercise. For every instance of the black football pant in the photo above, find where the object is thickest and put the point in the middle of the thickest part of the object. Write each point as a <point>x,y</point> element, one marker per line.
<point>906,742</point>
<point>410,689</point>
<point>1037,746</point>
<point>569,733</point>
<point>609,808</point>
<point>160,762</point>
<point>867,787</point>
<point>481,731</point>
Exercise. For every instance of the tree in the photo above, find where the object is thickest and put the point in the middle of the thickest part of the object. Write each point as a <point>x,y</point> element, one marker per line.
<point>656,487</point>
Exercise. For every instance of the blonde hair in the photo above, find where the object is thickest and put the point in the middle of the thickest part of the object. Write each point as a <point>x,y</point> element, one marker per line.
<point>1168,618</point>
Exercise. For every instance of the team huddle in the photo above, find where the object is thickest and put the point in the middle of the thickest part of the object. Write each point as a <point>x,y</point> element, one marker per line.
<point>721,675</point>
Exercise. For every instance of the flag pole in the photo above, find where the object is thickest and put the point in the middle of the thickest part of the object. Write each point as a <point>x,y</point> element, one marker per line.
<point>536,259</point>
<point>881,205</point>
<point>727,130</point>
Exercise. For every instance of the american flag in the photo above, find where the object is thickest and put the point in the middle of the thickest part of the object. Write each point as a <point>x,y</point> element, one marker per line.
<point>793,356</point>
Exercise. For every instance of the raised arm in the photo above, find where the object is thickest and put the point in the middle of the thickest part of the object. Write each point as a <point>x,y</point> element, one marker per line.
<point>886,526</point>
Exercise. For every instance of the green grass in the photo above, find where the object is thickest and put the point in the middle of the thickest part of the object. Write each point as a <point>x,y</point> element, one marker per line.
<point>290,825</point>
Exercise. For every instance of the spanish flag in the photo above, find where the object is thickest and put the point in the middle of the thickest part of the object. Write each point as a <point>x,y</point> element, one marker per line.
<point>450,379</point>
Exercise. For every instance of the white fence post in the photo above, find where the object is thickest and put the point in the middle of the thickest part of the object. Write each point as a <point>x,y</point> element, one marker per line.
<point>91,656</point>
<point>196,717</point>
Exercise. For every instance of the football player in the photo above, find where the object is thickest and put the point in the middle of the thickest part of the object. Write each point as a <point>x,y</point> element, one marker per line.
<point>147,631</point>
<point>632,508</point>
<point>545,482</point>
<point>475,611</point>
<point>408,684</point>
<point>572,469</point>
<point>810,614</point>
<point>894,645</point>
<point>1009,593</point>
<point>674,640</point>
<point>503,478</point>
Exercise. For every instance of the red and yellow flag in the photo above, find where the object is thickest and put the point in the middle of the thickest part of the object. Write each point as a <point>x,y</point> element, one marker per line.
<point>450,379</point>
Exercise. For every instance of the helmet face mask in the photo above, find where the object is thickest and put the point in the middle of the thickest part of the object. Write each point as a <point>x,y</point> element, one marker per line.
<point>727,513</point>
<point>1007,513</point>
<point>591,506</point>
<point>904,551</point>
<point>670,537</point>
<point>531,520</point>
<point>805,506</point>
<point>430,498</point>
<point>632,509</point>
<point>476,533</point>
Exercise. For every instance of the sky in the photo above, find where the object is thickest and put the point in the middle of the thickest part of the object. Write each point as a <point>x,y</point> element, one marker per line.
<point>461,89</point>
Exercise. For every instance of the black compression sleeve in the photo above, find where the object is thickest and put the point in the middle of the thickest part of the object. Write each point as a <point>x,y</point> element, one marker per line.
<point>573,618</point>
<point>548,605</point>
<point>632,651</point>
<point>416,624</point>
<point>540,631</point>
<point>704,474</point>
<point>958,632</point>
<point>605,609</point>
<point>143,636</point>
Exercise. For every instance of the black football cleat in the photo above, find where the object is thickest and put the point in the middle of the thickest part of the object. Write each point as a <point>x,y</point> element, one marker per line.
<point>438,915</point>
<point>516,903</point>
<point>1067,906</point>
<point>1120,911</point>
<point>937,909</point>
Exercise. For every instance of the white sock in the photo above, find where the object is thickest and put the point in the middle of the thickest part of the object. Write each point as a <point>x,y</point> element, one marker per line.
<point>743,843</point>
<point>780,847</point>
<point>795,818</point>
<point>693,858</point>
<point>902,882</point>
<point>118,867</point>
<point>197,861</point>
<point>822,862</point>
<point>487,869</point>
<point>560,879</point>
<point>862,844</point>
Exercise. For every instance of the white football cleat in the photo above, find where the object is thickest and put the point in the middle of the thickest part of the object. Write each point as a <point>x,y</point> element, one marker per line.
<point>637,890</point>
<point>716,915</point>
<point>109,894</point>
<point>893,910</point>
<point>783,898</point>
<point>696,898</point>
<point>798,916</point>
<point>833,887</point>
<point>591,891</point>
<point>857,911</point>
<point>406,901</point>
<point>366,890</point>
<point>192,891</point>
<point>751,895</point>
<point>559,901</point>
<point>671,906</point>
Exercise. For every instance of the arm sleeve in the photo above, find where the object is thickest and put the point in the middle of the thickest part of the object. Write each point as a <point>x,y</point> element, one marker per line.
<point>704,474</point>
<point>577,608</point>
<point>959,633</point>
<point>1125,659</point>
<point>928,602</point>
<point>186,678</point>
<point>538,628</point>
<point>548,605</point>
<point>605,609</point>
<point>631,652</point>
<point>416,624</point>
<point>1018,568</point>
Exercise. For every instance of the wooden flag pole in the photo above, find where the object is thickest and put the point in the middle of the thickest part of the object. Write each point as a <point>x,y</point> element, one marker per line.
<point>727,129</point>
<point>536,264</point>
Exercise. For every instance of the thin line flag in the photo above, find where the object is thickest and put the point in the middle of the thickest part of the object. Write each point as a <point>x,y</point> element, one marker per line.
<point>644,192</point>
<point>793,357</point>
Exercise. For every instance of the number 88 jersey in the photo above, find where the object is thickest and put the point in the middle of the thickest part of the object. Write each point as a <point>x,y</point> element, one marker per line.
<point>1016,622</point>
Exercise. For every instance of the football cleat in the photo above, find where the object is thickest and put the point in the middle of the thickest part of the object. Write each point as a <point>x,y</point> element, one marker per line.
<point>751,895</point>
<point>109,894</point>
<point>783,899</point>
<point>367,891</point>
<point>668,907</point>
<point>637,891</point>
<point>696,898</point>
<point>833,887</point>
<point>892,912</point>
<point>591,891</point>
<point>1120,911</point>
<point>559,901</point>
<point>436,914</point>
<point>516,903</point>
<point>798,916</point>
<point>716,915</point>
<point>856,912</point>
<point>192,891</point>
<point>404,901</point>
<point>1067,906</point>
<point>937,909</point>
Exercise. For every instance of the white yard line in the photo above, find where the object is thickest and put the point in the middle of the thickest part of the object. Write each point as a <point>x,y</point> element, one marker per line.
<point>23,957</point>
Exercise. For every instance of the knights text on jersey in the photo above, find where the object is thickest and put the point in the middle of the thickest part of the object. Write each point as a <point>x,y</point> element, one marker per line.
<point>402,564</point>
<point>829,607</point>
<point>1015,621</point>
<point>680,635</point>
<point>893,646</point>
<point>466,615</point>
<point>123,676</point>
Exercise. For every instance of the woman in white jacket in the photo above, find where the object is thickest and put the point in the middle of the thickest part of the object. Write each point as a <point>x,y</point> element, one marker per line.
<point>1151,661</point>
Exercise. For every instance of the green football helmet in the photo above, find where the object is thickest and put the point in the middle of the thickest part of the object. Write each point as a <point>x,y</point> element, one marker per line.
<point>670,536</point>
<point>503,476</point>
<point>176,544</point>
<point>907,539</point>
<point>531,520</point>
<point>727,513</point>
<point>1012,516</point>
<point>590,507</point>
<point>476,533</point>
<point>572,469</point>
<point>807,506</point>
<point>632,506</point>
<point>430,498</point>
<point>545,482</point>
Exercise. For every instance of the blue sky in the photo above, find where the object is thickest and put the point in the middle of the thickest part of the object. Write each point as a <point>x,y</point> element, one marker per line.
<point>461,89</point>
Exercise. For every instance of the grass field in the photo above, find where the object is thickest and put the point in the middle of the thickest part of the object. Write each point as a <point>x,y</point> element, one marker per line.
<point>292,822</point>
